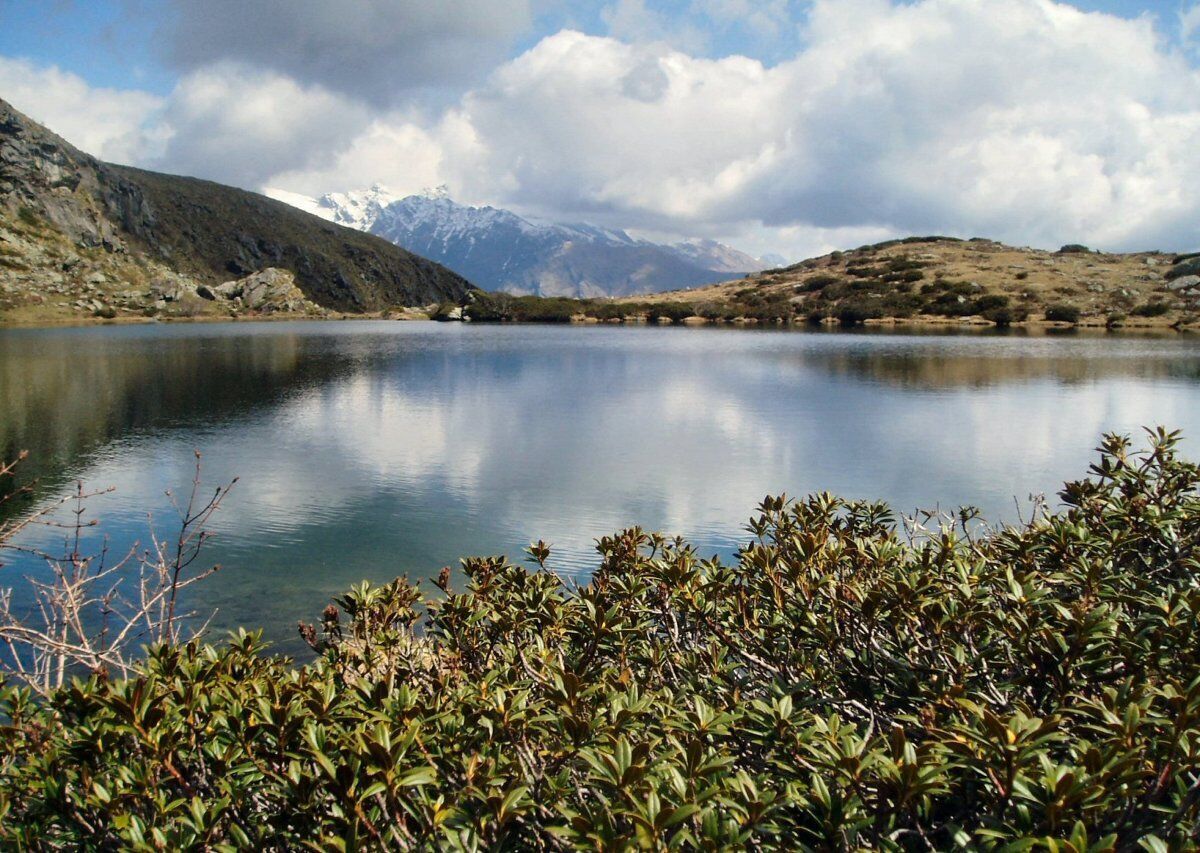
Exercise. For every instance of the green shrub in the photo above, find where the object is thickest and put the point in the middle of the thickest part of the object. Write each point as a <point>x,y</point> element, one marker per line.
<point>1151,309</point>
<point>538,309</point>
<point>906,241</point>
<point>1004,316</point>
<point>839,686</point>
<point>676,312</point>
<point>908,276</point>
<point>990,302</point>
<point>714,312</point>
<point>503,307</point>
<point>607,310</point>
<point>904,264</point>
<point>818,282</point>
<point>769,313</point>
<point>29,216</point>
<point>1062,313</point>
<point>865,271</point>
<point>950,304</point>
<point>857,312</point>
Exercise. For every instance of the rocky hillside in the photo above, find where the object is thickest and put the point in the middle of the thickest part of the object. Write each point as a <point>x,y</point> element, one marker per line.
<point>945,280</point>
<point>69,222</point>
<point>499,250</point>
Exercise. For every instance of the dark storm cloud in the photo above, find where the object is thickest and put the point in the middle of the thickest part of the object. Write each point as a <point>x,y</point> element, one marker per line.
<point>378,50</point>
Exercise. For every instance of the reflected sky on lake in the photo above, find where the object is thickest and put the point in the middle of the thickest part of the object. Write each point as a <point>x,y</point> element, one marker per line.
<point>372,449</point>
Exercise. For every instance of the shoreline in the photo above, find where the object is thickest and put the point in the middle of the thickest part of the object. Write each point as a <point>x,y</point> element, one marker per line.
<point>939,323</point>
<point>409,315</point>
<point>274,317</point>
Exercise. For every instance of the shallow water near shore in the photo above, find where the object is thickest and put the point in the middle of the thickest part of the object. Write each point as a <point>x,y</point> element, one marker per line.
<point>373,449</point>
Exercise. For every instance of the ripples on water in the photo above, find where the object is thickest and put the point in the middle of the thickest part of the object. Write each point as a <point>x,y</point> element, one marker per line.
<point>372,449</point>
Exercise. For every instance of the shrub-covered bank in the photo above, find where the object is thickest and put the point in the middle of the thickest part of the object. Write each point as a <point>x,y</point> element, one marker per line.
<point>843,684</point>
<point>940,280</point>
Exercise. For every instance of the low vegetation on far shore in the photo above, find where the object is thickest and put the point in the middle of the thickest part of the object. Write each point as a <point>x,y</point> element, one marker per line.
<point>938,281</point>
<point>848,682</point>
<point>45,279</point>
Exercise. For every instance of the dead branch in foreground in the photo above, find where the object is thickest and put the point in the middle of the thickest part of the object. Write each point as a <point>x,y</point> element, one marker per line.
<point>91,613</point>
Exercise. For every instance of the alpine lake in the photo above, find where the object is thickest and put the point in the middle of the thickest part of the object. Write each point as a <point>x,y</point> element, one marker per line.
<point>372,449</point>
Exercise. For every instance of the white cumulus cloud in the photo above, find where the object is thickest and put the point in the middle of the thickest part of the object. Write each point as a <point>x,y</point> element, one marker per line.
<point>1028,121</point>
<point>108,123</point>
<point>238,124</point>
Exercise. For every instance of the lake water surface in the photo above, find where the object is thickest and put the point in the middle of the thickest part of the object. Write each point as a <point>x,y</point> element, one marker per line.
<point>372,449</point>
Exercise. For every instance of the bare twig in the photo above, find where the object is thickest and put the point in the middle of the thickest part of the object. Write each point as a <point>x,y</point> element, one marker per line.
<point>81,618</point>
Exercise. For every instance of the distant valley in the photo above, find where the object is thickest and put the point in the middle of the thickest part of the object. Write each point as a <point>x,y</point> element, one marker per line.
<point>498,250</point>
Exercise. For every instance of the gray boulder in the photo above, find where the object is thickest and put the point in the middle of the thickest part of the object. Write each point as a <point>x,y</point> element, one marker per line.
<point>170,290</point>
<point>1189,266</point>
<point>268,286</point>
<point>1187,282</point>
<point>272,289</point>
<point>229,290</point>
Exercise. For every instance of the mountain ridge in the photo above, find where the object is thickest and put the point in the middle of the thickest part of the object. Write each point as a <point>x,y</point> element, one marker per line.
<point>204,230</point>
<point>501,250</point>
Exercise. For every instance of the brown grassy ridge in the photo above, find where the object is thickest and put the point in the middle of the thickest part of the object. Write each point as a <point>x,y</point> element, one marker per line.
<point>941,280</point>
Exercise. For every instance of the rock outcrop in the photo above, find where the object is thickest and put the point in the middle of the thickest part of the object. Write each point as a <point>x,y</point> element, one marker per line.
<point>269,290</point>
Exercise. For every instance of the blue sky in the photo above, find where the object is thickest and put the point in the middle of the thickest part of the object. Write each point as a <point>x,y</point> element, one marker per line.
<point>776,125</point>
<point>111,43</point>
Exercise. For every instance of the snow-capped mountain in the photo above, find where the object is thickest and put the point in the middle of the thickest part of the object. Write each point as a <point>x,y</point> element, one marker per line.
<point>498,250</point>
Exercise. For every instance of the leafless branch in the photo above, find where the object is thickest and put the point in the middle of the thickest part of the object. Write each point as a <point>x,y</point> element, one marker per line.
<point>91,613</point>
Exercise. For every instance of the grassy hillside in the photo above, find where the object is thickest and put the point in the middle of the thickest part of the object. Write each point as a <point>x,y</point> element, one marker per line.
<point>217,233</point>
<point>65,214</point>
<point>943,280</point>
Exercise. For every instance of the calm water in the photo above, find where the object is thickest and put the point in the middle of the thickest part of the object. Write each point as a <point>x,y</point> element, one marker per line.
<point>374,449</point>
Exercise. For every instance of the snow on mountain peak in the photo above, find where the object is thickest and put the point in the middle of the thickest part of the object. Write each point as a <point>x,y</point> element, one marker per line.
<point>497,248</point>
<point>438,192</point>
<point>358,208</point>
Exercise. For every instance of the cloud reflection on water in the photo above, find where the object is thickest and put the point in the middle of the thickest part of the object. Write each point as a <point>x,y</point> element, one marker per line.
<point>387,448</point>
